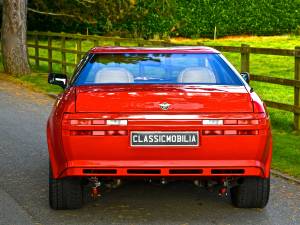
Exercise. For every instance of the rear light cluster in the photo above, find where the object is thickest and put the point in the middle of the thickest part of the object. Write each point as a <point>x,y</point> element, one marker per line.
<point>230,132</point>
<point>98,132</point>
<point>86,122</point>
<point>231,122</point>
<point>93,132</point>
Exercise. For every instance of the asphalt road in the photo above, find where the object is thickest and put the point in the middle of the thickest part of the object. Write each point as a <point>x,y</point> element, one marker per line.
<point>24,183</point>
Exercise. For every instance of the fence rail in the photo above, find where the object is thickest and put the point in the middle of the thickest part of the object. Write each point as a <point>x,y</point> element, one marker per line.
<point>244,50</point>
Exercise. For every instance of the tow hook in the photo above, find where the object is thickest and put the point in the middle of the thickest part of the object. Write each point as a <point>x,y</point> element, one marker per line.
<point>95,189</point>
<point>223,191</point>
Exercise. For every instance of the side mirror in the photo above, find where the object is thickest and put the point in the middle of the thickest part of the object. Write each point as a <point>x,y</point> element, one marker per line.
<point>246,76</point>
<point>58,79</point>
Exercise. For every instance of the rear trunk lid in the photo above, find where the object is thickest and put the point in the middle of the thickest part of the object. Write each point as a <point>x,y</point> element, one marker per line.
<point>148,98</point>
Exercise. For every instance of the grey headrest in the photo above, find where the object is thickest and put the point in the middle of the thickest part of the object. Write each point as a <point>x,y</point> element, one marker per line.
<point>114,75</point>
<point>196,75</point>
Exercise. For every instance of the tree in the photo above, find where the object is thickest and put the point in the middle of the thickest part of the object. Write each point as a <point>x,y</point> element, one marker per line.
<point>14,49</point>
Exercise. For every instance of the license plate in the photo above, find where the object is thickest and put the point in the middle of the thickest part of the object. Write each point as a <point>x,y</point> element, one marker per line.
<point>164,138</point>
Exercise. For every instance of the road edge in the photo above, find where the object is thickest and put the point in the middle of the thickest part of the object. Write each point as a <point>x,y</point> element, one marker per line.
<point>285,176</point>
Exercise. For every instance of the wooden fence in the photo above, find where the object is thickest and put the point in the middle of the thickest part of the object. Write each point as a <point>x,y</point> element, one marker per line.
<point>78,52</point>
<point>244,50</point>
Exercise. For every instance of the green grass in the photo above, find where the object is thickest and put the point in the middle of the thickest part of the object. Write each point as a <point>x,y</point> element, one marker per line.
<point>286,156</point>
<point>286,152</point>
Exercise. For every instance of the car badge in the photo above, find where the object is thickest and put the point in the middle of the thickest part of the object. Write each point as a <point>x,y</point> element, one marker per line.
<point>164,106</point>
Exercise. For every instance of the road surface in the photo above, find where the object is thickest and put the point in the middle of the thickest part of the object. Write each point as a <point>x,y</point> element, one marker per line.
<point>24,183</point>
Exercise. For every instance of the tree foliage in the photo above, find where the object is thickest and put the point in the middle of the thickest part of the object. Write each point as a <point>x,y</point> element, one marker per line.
<point>149,18</point>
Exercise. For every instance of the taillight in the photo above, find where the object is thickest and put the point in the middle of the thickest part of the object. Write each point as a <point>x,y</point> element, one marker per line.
<point>116,122</point>
<point>98,122</point>
<point>230,132</point>
<point>231,122</point>
<point>212,122</point>
<point>98,132</point>
<point>247,132</point>
<point>80,132</point>
<point>81,122</point>
<point>86,122</point>
<point>92,127</point>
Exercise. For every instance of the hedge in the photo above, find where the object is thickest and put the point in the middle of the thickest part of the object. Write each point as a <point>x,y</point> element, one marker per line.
<point>187,18</point>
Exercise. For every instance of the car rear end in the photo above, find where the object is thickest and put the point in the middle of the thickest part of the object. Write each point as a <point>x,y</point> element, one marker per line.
<point>173,142</point>
<point>114,127</point>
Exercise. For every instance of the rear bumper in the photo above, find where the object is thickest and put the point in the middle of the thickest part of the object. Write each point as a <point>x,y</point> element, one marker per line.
<point>161,168</point>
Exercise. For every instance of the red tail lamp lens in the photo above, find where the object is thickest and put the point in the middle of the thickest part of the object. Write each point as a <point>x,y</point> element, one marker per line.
<point>241,122</point>
<point>111,132</point>
<point>254,122</point>
<point>98,132</point>
<point>230,132</point>
<point>80,132</point>
<point>247,132</point>
<point>230,122</point>
<point>122,132</point>
<point>98,122</point>
<point>213,132</point>
<point>81,122</point>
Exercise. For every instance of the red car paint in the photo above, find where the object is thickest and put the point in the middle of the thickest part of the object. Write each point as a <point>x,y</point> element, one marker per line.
<point>81,144</point>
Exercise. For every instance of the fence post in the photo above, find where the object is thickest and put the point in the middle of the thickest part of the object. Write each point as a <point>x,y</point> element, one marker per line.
<point>245,58</point>
<point>49,54</point>
<point>297,89</point>
<point>140,44</point>
<point>78,48</point>
<point>63,55</point>
<point>36,49</point>
<point>117,43</point>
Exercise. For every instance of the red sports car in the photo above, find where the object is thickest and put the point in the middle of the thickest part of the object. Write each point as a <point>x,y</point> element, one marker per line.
<point>160,114</point>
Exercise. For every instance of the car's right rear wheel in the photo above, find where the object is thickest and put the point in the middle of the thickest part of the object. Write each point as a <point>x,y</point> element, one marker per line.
<point>253,192</point>
<point>65,193</point>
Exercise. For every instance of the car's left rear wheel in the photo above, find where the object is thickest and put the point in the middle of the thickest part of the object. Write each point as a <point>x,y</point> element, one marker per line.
<point>66,193</point>
<point>253,192</point>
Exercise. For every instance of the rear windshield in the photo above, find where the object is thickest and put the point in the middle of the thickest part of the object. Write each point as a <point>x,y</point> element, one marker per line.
<point>157,69</point>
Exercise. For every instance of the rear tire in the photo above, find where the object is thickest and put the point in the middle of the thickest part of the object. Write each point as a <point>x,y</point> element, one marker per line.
<point>65,193</point>
<point>252,193</point>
